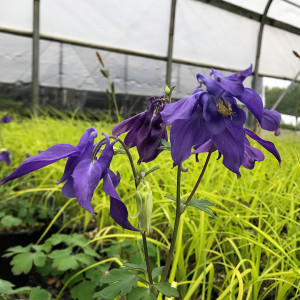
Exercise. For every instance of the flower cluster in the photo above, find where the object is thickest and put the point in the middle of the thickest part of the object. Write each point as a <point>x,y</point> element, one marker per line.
<point>211,119</point>
<point>82,173</point>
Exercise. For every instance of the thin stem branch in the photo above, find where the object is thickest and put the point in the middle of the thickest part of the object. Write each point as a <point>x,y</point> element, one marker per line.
<point>175,231</point>
<point>147,258</point>
<point>184,206</point>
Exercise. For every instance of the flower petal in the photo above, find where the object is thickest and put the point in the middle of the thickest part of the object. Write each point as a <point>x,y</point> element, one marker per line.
<point>212,87</point>
<point>253,102</point>
<point>5,157</point>
<point>43,159</point>
<point>118,210</point>
<point>86,177</point>
<point>266,144</point>
<point>180,110</point>
<point>251,155</point>
<point>270,120</point>
<point>231,145</point>
<point>184,135</point>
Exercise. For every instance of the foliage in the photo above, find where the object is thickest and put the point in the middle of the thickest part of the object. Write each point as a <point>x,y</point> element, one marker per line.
<point>290,104</point>
<point>250,249</point>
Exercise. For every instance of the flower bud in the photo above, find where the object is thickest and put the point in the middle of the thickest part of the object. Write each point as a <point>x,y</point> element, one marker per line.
<point>144,202</point>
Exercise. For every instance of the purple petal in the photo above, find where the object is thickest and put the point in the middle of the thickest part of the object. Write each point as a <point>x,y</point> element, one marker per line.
<point>238,118</point>
<point>6,119</point>
<point>182,109</point>
<point>212,86</point>
<point>270,120</point>
<point>253,102</point>
<point>118,210</point>
<point>86,177</point>
<point>231,145</point>
<point>43,159</point>
<point>184,135</point>
<point>5,157</point>
<point>266,144</point>
<point>68,189</point>
<point>232,84</point>
<point>128,124</point>
<point>216,123</point>
<point>242,75</point>
<point>251,155</point>
<point>86,146</point>
<point>202,148</point>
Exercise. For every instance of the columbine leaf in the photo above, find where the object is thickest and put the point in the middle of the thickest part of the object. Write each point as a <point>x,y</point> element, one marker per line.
<point>10,221</point>
<point>141,266</point>
<point>63,259</point>
<point>166,289</point>
<point>114,275</point>
<point>200,204</point>
<point>39,259</point>
<point>38,294</point>
<point>22,263</point>
<point>140,293</point>
<point>165,145</point>
<point>6,288</point>
<point>84,290</point>
<point>122,287</point>
<point>157,271</point>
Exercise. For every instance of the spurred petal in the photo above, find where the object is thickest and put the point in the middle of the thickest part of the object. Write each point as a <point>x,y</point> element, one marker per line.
<point>266,144</point>
<point>253,102</point>
<point>43,159</point>
<point>202,148</point>
<point>182,109</point>
<point>242,75</point>
<point>212,86</point>
<point>270,120</point>
<point>251,155</point>
<point>118,210</point>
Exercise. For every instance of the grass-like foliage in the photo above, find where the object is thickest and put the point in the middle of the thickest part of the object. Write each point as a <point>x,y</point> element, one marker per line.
<point>250,250</point>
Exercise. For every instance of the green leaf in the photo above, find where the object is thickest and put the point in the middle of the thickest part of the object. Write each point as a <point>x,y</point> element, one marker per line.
<point>141,266</point>
<point>10,221</point>
<point>167,90</point>
<point>139,293</point>
<point>84,290</point>
<point>39,258</point>
<point>17,249</point>
<point>85,259</point>
<point>200,204</point>
<point>122,287</point>
<point>149,296</point>
<point>165,145</point>
<point>38,294</point>
<point>115,275</point>
<point>166,289</point>
<point>157,271</point>
<point>22,263</point>
<point>151,170</point>
<point>6,286</point>
<point>63,259</point>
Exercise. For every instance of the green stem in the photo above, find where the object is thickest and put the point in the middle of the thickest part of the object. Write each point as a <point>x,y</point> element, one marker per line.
<point>184,206</point>
<point>175,231</point>
<point>147,258</point>
<point>136,185</point>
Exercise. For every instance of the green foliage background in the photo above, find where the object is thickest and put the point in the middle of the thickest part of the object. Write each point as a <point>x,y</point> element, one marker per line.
<point>250,250</point>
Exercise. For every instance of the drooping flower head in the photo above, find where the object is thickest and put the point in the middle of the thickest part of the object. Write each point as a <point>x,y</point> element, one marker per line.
<point>6,119</point>
<point>82,173</point>
<point>4,155</point>
<point>212,117</point>
<point>146,130</point>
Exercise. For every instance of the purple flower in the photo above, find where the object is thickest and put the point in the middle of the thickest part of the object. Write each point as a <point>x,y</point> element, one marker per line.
<point>146,130</point>
<point>82,175</point>
<point>5,119</point>
<point>212,117</point>
<point>5,157</point>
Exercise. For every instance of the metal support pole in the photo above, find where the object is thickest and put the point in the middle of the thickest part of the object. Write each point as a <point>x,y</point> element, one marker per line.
<point>285,92</point>
<point>35,55</point>
<point>170,43</point>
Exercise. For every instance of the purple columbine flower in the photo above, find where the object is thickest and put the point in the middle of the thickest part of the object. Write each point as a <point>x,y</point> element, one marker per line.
<point>5,119</point>
<point>212,117</point>
<point>5,157</point>
<point>82,174</point>
<point>146,130</point>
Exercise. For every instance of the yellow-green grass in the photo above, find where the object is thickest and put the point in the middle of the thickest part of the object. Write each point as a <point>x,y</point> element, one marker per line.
<point>250,250</point>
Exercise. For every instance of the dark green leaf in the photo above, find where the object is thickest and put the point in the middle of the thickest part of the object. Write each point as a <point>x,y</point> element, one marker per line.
<point>151,170</point>
<point>165,145</point>
<point>130,266</point>
<point>115,275</point>
<point>166,289</point>
<point>84,290</point>
<point>10,221</point>
<point>38,294</point>
<point>203,205</point>
<point>138,293</point>
<point>157,271</point>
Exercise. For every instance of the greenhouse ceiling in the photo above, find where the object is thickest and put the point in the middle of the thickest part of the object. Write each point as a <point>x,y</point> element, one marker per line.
<point>208,33</point>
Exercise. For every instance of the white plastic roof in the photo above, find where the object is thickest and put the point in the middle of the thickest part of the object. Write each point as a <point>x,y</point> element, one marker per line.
<point>204,35</point>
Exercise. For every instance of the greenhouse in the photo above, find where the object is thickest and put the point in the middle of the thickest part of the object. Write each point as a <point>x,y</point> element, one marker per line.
<point>150,149</point>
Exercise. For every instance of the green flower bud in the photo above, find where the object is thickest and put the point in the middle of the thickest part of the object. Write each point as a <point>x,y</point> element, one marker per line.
<point>144,202</point>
